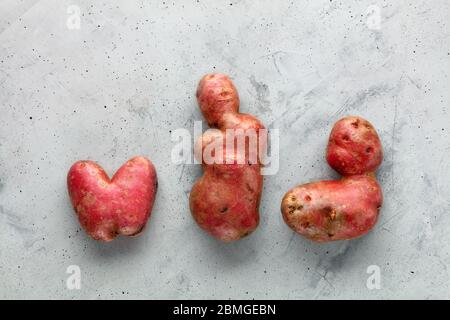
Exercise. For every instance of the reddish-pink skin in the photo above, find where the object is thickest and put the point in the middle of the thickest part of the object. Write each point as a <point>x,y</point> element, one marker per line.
<point>216,96</point>
<point>109,207</point>
<point>354,147</point>
<point>333,210</point>
<point>225,200</point>
<point>342,209</point>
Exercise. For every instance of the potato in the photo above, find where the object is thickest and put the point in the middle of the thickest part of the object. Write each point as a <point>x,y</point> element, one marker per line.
<point>354,147</point>
<point>333,210</point>
<point>346,208</point>
<point>225,200</point>
<point>109,207</point>
<point>216,96</point>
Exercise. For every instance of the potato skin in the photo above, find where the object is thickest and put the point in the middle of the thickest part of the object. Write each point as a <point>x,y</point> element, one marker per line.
<point>346,208</point>
<point>354,147</point>
<point>109,207</point>
<point>335,209</point>
<point>225,200</point>
<point>216,96</point>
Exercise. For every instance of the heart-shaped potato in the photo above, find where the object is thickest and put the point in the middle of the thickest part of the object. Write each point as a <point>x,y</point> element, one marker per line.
<point>109,207</point>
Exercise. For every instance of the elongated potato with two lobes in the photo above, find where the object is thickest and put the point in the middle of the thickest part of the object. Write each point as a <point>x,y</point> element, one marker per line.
<point>109,207</point>
<point>225,200</point>
<point>346,208</point>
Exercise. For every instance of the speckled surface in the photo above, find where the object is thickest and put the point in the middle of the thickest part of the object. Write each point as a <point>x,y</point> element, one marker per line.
<point>117,86</point>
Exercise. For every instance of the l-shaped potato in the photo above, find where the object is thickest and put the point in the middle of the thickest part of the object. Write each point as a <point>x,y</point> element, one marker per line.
<point>340,209</point>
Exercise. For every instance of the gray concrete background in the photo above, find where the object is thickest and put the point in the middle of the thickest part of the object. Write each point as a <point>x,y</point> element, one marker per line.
<point>116,88</point>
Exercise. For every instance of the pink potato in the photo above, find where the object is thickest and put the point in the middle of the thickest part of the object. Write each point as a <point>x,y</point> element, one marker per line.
<point>109,207</point>
<point>346,208</point>
<point>333,210</point>
<point>354,147</point>
<point>225,200</point>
